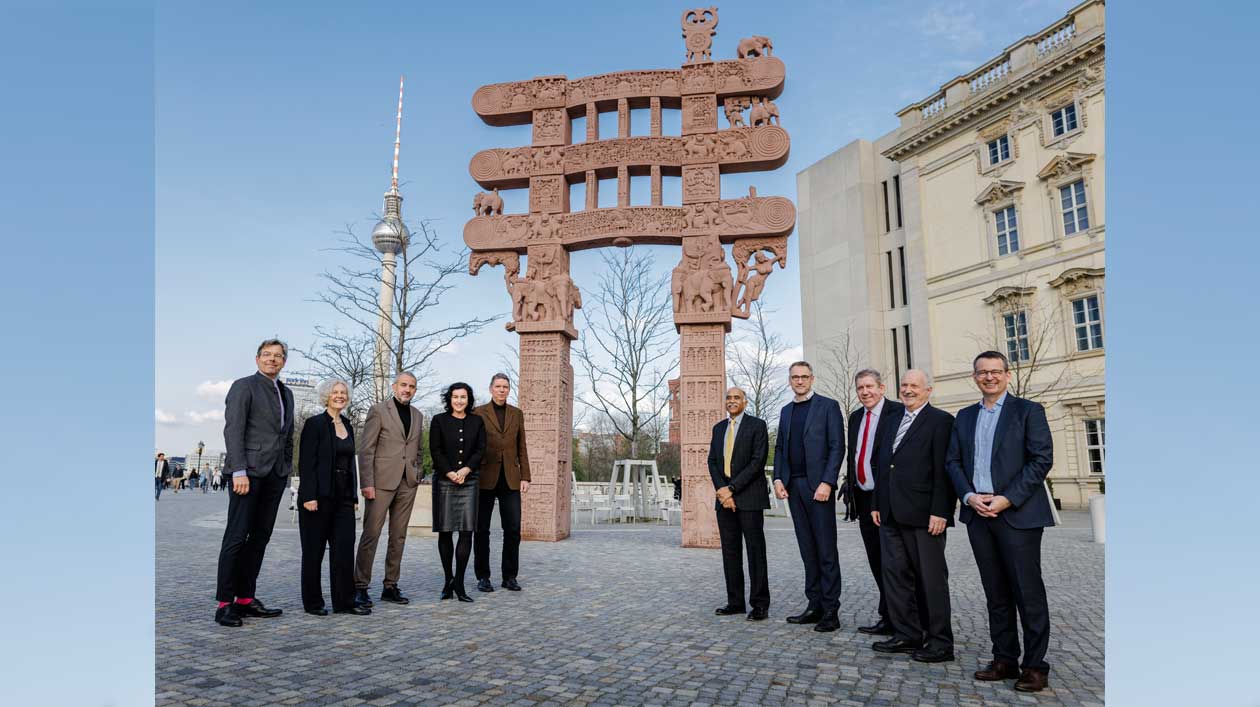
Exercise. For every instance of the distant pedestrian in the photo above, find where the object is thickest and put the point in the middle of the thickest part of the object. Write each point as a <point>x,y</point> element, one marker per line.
<point>161,472</point>
<point>218,480</point>
<point>193,480</point>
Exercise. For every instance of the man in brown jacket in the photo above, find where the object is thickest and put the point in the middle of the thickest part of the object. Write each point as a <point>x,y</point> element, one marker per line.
<point>389,470</point>
<point>504,477</point>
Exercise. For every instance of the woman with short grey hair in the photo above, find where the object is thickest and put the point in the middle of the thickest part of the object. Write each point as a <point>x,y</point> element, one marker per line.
<point>328,492</point>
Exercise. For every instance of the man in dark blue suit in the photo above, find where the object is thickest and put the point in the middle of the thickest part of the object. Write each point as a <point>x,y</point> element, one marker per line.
<point>807,456</point>
<point>737,465</point>
<point>999,455</point>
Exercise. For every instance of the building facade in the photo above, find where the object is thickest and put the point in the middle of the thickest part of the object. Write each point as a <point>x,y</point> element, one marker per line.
<point>979,223</point>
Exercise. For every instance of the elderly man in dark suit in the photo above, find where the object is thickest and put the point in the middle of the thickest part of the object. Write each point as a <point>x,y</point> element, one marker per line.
<point>807,456</point>
<point>999,456</point>
<point>737,465</point>
<point>914,505</point>
<point>258,434</point>
<point>504,476</point>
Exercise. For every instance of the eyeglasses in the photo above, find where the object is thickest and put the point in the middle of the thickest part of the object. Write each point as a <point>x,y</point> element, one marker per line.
<point>989,374</point>
<point>800,378</point>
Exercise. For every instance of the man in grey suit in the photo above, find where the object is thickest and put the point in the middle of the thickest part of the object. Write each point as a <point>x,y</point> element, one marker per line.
<point>258,434</point>
<point>389,471</point>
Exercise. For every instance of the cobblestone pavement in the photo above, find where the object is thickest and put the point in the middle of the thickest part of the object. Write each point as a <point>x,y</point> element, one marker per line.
<point>612,616</point>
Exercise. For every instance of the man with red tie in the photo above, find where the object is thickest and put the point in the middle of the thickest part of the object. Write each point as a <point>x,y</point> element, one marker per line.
<point>866,432</point>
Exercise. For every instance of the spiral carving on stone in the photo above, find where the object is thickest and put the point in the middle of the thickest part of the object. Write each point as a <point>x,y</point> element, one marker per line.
<point>770,142</point>
<point>775,213</point>
<point>487,99</point>
<point>487,164</point>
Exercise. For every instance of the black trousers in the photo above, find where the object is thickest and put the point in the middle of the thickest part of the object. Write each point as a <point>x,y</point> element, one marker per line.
<point>912,557</point>
<point>330,526</point>
<point>509,520</point>
<point>250,520</point>
<point>815,525</point>
<point>738,529</point>
<point>1009,560</point>
<point>864,501</point>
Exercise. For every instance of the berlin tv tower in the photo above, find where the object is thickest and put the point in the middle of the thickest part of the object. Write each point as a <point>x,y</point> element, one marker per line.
<point>390,236</point>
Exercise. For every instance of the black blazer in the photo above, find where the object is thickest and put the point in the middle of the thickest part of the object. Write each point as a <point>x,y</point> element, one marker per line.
<point>891,407</point>
<point>257,439</point>
<point>445,445</point>
<point>912,483</point>
<point>166,469</point>
<point>1023,452</point>
<point>748,463</point>
<point>316,457</point>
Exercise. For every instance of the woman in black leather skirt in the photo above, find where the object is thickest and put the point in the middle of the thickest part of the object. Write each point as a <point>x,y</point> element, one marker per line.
<point>457,441</point>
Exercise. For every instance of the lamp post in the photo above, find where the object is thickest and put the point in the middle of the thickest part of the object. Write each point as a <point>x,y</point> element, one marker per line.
<point>201,447</point>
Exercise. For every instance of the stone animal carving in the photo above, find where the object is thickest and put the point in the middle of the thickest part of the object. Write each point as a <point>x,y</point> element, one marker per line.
<point>699,26</point>
<point>764,113</point>
<point>702,282</point>
<point>734,108</point>
<point>488,203</point>
<point>755,45</point>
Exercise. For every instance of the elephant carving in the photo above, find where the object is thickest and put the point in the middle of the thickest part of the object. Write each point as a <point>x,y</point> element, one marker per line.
<point>755,45</point>
<point>764,112</point>
<point>488,203</point>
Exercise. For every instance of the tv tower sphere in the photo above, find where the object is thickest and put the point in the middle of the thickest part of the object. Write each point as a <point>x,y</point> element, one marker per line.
<point>390,234</point>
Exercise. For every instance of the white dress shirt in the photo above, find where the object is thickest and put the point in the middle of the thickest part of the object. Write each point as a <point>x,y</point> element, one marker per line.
<point>865,462</point>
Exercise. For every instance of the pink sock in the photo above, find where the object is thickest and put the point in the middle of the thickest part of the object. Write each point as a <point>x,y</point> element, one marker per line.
<point>223,604</point>
<point>244,601</point>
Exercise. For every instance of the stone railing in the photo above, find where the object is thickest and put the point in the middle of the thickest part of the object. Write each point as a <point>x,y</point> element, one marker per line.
<point>1055,38</point>
<point>934,106</point>
<point>989,75</point>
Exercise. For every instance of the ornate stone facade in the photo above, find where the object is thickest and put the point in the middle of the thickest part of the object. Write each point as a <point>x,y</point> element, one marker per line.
<point>705,292</point>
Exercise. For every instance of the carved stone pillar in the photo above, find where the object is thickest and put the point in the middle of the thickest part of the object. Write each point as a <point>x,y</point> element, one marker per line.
<point>592,190</point>
<point>656,185</point>
<point>546,396</point>
<point>656,116</point>
<point>592,123</point>
<point>623,118</point>
<point>702,383</point>
<point>623,185</point>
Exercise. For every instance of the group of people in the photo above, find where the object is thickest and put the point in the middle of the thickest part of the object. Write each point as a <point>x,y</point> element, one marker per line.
<point>479,458</point>
<point>908,464</point>
<point>164,477</point>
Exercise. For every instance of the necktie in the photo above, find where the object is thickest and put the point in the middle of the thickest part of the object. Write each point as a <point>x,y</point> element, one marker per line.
<point>730,445</point>
<point>906,420</point>
<point>861,462</point>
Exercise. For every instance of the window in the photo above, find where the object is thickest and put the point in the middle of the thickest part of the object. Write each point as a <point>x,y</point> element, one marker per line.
<point>1064,119</point>
<point>905,330</point>
<point>1087,319</point>
<point>887,211</point>
<point>896,360</point>
<point>1007,231</point>
<point>1016,325</point>
<point>999,150</point>
<point>892,299</point>
<point>1096,444</point>
<point>1072,203</point>
<point>901,253</point>
<point>897,194</point>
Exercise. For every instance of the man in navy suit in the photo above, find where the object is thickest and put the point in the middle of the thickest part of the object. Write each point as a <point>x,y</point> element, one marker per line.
<point>999,455</point>
<point>807,457</point>
<point>737,464</point>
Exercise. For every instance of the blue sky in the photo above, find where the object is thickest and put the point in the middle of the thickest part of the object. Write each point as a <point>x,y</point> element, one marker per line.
<point>275,130</point>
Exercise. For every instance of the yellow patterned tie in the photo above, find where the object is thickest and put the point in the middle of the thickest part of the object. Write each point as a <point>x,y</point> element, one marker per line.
<point>730,444</point>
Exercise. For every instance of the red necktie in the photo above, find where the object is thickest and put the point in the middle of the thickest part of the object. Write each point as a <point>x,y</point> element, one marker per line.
<point>861,461</point>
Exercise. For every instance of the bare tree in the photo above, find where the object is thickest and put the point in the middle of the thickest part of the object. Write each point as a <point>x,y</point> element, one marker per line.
<point>755,360</point>
<point>838,363</point>
<point>625,351</point>
<point>421,279</point>
<point>346,356</point>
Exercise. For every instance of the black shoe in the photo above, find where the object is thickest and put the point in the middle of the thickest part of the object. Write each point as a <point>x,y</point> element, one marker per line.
<point>321,611</point>
<point>511,585</point>
<point>447,590</point>
<point>484,585</point>
<point>356,610</point>
<point>256,609</point>
<point>460,593</point>
<point>227,616</point>
<point>938,655</point>
<point>728,610</point>
<point>361,598</point>
<point>758,614</point>
<point>896,645</point>
<point>391,594</point>
<point>829,623</point>
<point>881,628</point>
<point>809,616</point>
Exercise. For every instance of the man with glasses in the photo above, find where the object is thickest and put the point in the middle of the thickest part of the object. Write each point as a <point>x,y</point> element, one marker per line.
<point>999,455</point>
<point>807,457</point>
<point>258,434</point>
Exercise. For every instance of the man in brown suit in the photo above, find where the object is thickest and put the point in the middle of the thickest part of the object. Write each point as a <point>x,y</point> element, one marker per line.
<point>504,477</point>
<point>389,470</point>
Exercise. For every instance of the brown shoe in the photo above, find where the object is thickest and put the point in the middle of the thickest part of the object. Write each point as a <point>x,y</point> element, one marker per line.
<point>997,670</point>
<point>1032,680</point>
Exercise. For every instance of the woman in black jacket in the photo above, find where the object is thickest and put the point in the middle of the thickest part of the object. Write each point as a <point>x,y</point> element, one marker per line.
<point>328,492</point>
<point>457,441</point>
